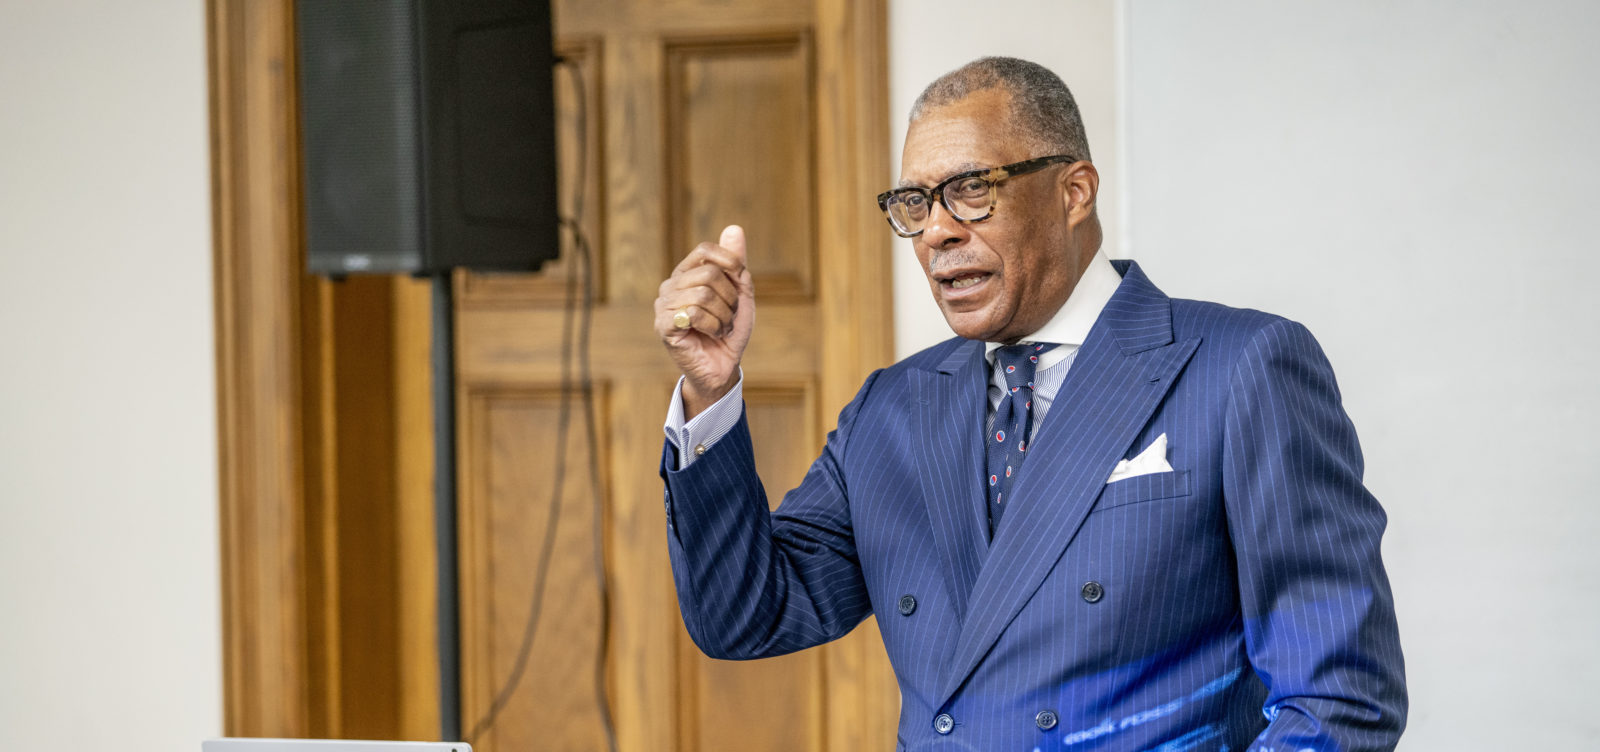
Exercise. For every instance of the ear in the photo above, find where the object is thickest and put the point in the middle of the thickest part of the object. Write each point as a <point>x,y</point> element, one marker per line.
<point>1080,189</point>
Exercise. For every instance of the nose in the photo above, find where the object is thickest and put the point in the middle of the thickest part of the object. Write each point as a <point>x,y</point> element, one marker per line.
<point>943,230</point>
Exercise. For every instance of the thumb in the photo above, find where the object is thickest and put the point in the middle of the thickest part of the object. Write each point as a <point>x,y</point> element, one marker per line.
<point>733,240</point>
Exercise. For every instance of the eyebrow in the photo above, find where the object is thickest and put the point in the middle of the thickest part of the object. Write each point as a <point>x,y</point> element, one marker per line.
<point>960,168</point>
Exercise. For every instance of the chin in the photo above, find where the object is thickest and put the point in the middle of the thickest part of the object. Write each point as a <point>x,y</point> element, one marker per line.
<point>969,325</point>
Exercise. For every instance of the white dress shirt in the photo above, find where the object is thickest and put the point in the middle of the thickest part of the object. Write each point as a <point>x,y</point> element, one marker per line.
<point>1068,329</point>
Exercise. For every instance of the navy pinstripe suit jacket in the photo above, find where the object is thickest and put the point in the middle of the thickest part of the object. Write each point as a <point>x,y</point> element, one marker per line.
<point>1242,601</point>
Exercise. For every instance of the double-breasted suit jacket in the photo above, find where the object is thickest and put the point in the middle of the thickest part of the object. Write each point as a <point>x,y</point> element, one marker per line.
<point>1237,600</point>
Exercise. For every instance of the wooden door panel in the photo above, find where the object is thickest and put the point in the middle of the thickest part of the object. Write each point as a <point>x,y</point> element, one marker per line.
<point>506,497</point>
<point>739,137</point>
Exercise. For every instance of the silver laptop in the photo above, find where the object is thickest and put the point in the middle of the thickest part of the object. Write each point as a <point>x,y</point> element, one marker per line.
<point>327,745</point>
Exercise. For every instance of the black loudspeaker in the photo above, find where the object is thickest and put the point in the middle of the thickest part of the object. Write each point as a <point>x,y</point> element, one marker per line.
<point>428,134</point>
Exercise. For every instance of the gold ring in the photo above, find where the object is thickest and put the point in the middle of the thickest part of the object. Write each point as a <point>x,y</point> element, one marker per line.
<point>681,318</point>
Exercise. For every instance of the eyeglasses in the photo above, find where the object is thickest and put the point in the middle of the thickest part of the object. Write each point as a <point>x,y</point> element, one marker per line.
<point>968,196</point>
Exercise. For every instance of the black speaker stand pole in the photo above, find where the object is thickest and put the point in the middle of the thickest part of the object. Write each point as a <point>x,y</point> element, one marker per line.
<point>444,505</point>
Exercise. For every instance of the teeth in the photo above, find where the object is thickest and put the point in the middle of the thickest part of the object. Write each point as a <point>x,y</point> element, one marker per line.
<point>966,281</point>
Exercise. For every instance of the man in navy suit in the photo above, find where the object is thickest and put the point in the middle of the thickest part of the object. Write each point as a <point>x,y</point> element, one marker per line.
<point>1096,519</point>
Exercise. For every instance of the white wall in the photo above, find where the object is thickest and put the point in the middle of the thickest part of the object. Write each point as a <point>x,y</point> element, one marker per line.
<point>1412,180</point>
<point>110,629</point>
<point>928,38</point>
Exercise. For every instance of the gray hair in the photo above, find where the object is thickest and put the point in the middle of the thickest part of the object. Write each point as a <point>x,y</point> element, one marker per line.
<point>1042,107</point>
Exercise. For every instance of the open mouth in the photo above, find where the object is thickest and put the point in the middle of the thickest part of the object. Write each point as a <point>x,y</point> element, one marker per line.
<point>963,280</point>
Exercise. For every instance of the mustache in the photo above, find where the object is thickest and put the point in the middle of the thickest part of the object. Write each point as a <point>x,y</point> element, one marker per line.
<point>948,260</point>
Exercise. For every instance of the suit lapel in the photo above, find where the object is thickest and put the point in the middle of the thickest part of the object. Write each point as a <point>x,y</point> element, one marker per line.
<point>1127,365</point>
<point>949,423</point>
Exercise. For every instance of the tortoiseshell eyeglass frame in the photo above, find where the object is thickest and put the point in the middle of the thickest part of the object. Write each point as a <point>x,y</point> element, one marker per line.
<point>992,176</point>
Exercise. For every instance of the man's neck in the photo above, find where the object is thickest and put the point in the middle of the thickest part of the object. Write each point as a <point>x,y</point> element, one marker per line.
<point>1072,321</point>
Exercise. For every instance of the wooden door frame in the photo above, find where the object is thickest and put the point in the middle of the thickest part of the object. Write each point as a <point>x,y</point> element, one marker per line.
<point>275,330</point>
<point>259,302</point>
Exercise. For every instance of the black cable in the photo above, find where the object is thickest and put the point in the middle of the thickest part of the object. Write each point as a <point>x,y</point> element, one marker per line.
<point>603,644</point>
<point>585,268</point>
<point>586,377</point>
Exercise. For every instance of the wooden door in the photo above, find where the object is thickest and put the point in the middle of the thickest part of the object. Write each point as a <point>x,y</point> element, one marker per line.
<point>699,113</point>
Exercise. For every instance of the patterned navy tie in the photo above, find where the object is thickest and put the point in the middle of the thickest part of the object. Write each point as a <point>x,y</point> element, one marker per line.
<point>1013,422</point>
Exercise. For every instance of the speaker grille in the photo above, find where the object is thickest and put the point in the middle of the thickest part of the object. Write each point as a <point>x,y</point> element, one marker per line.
<point>361,130</point>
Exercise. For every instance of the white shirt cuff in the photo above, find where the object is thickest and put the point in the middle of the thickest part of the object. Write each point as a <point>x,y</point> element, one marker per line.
<point>694,438</point>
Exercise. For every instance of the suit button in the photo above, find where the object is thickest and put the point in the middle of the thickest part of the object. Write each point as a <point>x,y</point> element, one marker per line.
<point>1092,592</point>
<point>944,724</point>
<point>1046,719</point>
<point>908,604</point>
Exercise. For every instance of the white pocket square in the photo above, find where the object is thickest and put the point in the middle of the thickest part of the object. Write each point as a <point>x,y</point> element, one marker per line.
<point>1152,460</point>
